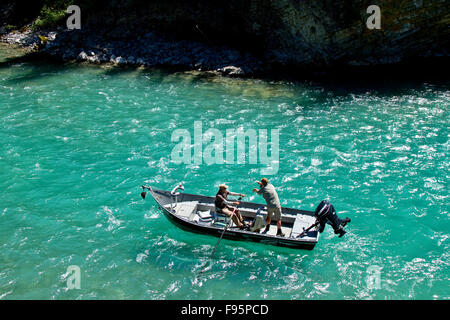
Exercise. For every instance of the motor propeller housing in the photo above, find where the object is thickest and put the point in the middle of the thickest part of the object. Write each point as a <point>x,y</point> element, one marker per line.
<point>325,213</point>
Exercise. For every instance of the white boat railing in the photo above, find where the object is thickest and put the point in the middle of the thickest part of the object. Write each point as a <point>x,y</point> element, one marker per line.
<point>175,194</point>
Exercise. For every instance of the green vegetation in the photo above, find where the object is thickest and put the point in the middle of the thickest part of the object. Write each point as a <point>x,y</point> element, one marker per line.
<point>41,14</point>
<point>10,27</point>
<point>51,14</point>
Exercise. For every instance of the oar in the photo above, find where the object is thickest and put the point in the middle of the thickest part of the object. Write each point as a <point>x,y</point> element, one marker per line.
<point>220,238</point>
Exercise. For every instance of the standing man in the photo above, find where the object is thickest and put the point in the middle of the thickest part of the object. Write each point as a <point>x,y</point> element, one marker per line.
<point>267,190</point>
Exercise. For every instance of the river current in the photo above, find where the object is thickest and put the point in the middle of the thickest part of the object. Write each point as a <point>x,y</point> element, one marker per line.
<point>77,142</point>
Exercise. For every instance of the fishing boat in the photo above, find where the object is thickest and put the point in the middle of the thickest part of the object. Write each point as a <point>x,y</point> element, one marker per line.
<point>196,213</point>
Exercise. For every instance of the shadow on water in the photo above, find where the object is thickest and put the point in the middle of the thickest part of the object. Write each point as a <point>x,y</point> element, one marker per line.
<point>383,80</point>
<point>338,81</point>
<point>36,68</point>
<point>382,87</point>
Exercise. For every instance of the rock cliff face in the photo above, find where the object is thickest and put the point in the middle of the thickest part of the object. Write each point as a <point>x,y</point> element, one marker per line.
<point>284,32</point>
<point>335,32</point>
<point>317,32</point>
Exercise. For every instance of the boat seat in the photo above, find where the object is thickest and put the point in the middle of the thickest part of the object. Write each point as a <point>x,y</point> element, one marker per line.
<point>212,216</point>
<point>220,217</point>
<point>205,216</point>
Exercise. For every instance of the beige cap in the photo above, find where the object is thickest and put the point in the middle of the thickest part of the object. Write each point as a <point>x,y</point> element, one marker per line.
<point>223,185</point>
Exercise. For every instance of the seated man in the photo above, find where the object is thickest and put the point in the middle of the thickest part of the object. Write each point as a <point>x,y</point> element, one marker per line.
<point>224,206</point>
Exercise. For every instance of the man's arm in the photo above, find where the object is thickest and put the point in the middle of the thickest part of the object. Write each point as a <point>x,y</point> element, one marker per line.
<point>261,187</point>
<point>236,194</point>
<point>227,202</point>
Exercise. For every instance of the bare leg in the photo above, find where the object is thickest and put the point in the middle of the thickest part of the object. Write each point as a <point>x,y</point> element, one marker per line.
<point>234,218</point>
<point>279,224</point>
<point>279,232</point>
<point>269,219</point>
<point>237,222</point>
<point>270,213</point>
<point>237,214</point>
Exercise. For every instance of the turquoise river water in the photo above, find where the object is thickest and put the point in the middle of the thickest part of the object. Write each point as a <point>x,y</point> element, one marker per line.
<point>79,141</point>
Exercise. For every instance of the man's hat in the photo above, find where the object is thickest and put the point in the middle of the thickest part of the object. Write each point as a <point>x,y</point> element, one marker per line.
<point>223,185</point>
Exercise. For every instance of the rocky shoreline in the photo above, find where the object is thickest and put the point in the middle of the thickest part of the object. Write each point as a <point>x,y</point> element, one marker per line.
<point>245,38</point>
<point>149,50</point>
<point>156,50</point>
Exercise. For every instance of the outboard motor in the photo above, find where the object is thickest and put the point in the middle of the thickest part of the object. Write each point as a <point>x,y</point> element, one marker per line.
<point>325,213</point>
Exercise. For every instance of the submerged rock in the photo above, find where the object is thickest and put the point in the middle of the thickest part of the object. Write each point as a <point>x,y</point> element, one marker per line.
<point>82,56</point>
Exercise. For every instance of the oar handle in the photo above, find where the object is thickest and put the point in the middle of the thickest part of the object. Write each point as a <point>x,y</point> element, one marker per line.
<point>234,210</point>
